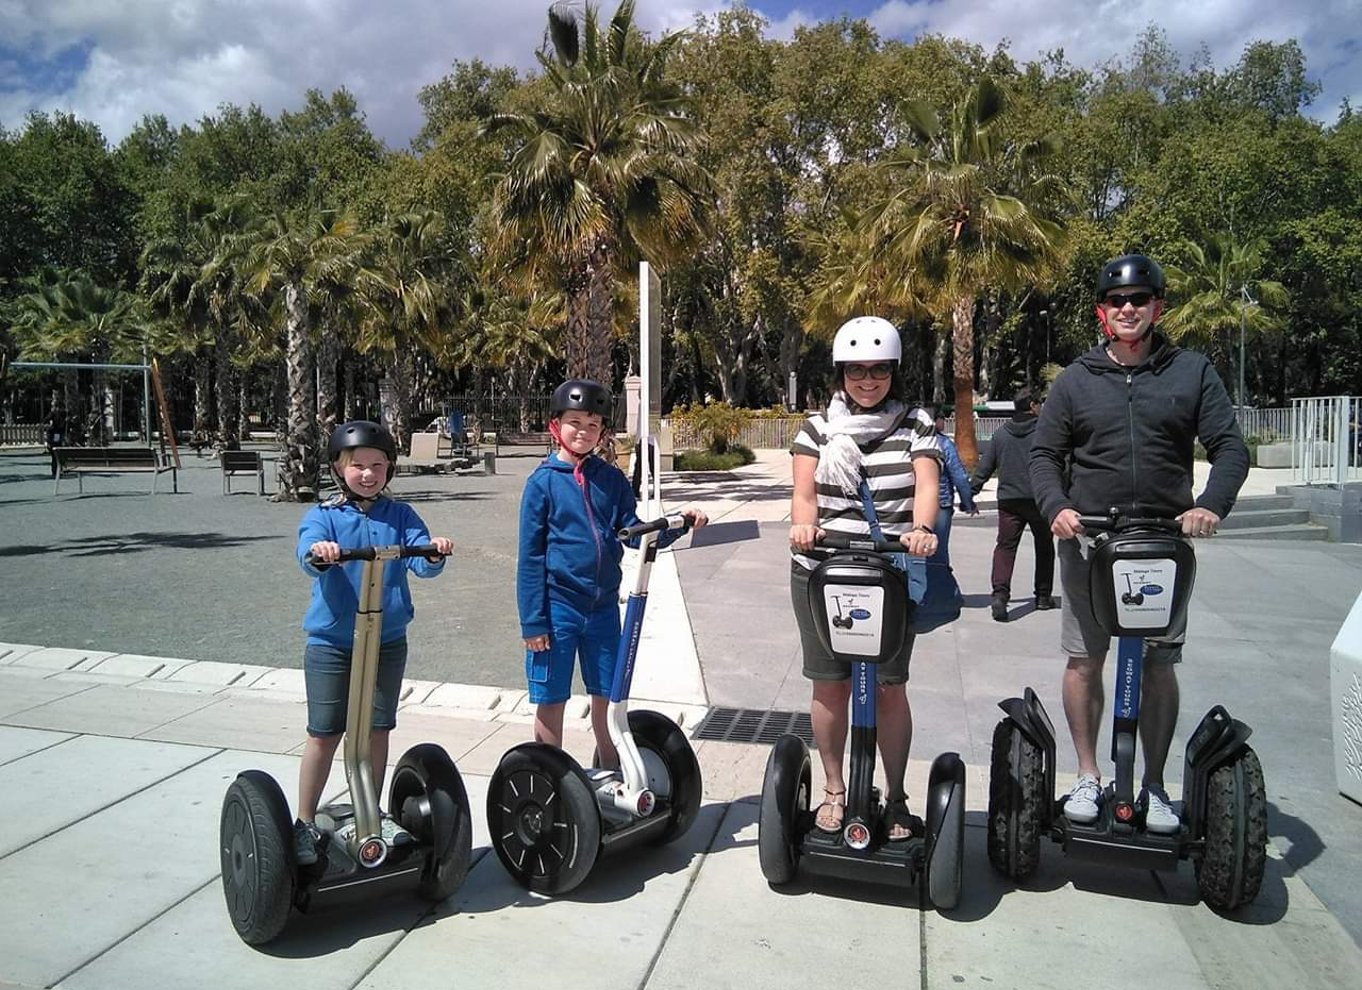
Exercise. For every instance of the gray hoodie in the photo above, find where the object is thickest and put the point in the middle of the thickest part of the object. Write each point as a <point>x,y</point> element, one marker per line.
<point>1111,435</point>
<point>1009,454</point>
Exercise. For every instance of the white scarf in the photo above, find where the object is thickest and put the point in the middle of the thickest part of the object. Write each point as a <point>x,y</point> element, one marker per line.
<point>839,462</point>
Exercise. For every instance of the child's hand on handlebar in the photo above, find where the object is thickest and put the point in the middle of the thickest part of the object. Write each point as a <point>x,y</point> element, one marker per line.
<point>537,644</point>
<point>803,536</point>
<point>325,552</point>
<point>443,544</point>
<point>696,517</point>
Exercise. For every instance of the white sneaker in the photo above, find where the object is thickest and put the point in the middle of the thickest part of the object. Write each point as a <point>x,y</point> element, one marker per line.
<point>1081,805</point>
<point>1159,816</point>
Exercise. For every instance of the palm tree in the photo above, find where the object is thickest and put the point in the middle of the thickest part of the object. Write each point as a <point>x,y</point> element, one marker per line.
<point>405,286</point>
<point>285,259</point>
<point>972,214</point>
<point>1212,298</point>
<point>602,174</point>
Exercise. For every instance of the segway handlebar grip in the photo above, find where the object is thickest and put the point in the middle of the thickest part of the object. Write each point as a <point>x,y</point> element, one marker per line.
<point>657,525</point>
<point>845,541</point>
<point>371,553</point>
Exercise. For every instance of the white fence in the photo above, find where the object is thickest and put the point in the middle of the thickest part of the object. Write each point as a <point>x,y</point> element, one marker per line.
<point>1326,440</point>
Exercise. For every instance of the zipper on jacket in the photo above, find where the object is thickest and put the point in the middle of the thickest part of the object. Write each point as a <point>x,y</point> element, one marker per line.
<point>595,533</point>
<point>1134,458</point>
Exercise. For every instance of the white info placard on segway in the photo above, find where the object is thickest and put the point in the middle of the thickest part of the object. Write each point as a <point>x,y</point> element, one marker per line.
<point>855,618</point>
<point>1144,592</point>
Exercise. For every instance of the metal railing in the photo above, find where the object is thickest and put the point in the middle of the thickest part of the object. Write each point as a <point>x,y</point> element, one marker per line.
<point>20,434</point>
<point>1326,440</point>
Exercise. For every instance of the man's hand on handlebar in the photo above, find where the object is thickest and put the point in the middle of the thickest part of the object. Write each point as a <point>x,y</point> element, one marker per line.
<point>1199,522</point>
<point>1066,524</point>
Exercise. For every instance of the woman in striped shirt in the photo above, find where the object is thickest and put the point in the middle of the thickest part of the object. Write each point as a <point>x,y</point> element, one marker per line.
<point>867,433</point>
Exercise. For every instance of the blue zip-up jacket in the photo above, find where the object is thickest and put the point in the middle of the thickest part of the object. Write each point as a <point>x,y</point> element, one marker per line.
<point>954,477</point>
<point>330,619</point>
<point>568,549</point>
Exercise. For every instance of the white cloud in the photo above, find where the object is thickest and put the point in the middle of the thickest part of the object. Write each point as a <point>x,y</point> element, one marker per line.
<point>184,58</point>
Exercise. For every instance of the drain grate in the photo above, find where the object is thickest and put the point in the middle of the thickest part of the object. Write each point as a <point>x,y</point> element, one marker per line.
<point>754,725</point>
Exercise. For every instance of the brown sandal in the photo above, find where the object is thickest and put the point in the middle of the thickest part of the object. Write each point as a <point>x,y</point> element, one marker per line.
<point>828,815</point>
<point>900,823</point>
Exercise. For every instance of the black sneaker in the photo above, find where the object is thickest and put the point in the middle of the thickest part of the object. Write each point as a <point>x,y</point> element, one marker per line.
<point>305,837</point>
<point>999,608</point>
<point>1045,603</point>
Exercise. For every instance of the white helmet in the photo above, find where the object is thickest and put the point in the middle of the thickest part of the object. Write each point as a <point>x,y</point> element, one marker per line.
<point>866,338</point>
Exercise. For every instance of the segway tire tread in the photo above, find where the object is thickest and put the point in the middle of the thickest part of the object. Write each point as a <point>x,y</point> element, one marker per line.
<point>664,737</point>
<point>1230,871</point>
<point>265,812</point>
<point>1016,792</point>
<point>784,800</point>
<point>450,830</point>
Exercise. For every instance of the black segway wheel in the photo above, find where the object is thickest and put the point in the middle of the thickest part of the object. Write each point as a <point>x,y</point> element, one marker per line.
<point>1016,802</point>
<point>256,841</point>
<point>673,770</point>
<point>428,797</point>
<point>945,824</point>
<point>1230,870</point>
<point>784,800</point>
<point>543,818</point>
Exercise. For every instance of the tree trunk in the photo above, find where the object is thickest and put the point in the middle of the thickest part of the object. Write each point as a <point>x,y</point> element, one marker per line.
<point>298,465</point>
<point>600,321</point>
<point>226,392</point>
<point>577,340</point>
<point>962,359</point>
<point>203,392</point>
<point>328,357</point>
<point>400,372</point>
<point>942,343</point>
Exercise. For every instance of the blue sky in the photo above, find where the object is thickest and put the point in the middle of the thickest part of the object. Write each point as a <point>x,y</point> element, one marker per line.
<point>112,61</point>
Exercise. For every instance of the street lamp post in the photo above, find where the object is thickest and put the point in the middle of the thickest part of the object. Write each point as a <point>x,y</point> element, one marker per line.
<point>1246,301</point>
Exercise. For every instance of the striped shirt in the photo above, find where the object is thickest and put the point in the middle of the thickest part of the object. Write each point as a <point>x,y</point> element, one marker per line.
<point>888,465</point>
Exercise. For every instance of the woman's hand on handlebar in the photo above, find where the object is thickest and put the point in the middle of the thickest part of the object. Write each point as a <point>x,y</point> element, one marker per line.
<point>1199,522</point>
<point>919,542</point>
<point>325,552</point>
<point>1066,524</point>
<point>803,536</point>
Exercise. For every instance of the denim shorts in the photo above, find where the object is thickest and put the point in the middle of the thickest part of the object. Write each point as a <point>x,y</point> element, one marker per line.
<point>594,636</point>
<point>1079,633</point>
<point>326,670</point>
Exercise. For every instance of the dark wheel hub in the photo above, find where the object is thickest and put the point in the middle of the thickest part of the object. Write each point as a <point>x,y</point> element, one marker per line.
<point>531,823</point>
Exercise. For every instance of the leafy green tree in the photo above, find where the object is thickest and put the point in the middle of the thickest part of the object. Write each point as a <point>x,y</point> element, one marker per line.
<point>601,174</point>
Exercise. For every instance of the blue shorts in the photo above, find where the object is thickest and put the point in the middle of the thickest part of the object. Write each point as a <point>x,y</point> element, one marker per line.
<point>326,670</point>
<point>595,636</point>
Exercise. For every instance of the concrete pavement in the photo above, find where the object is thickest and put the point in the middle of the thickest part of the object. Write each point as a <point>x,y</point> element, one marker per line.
<point>113,765</point>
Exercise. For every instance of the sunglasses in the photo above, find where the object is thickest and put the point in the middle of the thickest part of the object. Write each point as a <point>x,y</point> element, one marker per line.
<point>1118,300</point>
<point>879,372</point>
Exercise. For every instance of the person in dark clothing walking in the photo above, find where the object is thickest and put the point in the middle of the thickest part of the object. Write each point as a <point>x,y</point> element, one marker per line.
<point>1009,454</point>
<point>1118,429</point>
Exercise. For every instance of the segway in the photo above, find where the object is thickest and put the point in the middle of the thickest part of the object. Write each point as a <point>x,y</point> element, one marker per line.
<point>550,819</point>
<point>1141,581</point>
<point>878,611</point>
<point>262,881</point>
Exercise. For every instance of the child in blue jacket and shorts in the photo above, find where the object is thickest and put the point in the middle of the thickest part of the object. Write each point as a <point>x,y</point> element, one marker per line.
<point>568,575</point>
<point>363,457</point>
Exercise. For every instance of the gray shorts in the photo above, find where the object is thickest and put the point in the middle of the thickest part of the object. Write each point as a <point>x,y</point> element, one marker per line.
<point>1080,635</point>
<point>819,664</point>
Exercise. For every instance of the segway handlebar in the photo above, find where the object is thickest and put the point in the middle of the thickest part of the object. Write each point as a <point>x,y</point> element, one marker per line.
<point>373,553</point>
<point>1116,520</point>
<point>845,541</point>
<point>655,526</point>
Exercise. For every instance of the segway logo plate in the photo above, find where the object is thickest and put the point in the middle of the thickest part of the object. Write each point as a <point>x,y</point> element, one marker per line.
<point>855,617</point>
<point>1138,587</point>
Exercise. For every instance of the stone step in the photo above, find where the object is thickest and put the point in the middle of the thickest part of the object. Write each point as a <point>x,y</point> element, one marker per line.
<point>1301,531</point>
<point>1285,501</point>
<point>1255,518</point>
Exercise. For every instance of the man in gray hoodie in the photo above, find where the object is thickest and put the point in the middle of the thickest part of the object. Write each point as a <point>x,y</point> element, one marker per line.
<point>1118,429</point>
<point>1009,454</point>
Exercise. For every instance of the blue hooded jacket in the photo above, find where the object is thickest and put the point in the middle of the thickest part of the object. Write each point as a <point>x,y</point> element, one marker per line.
<point>568,549</point>
<point>330,619</point>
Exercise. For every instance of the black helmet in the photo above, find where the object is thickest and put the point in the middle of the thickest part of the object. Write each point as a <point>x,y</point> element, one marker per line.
<point>583,394</point>
<point>362,433</point>
<point>1130,269</point>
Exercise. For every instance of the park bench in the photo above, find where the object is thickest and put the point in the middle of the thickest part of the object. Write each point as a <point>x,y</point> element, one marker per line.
<point>81,461</point>
<point>236,462</point>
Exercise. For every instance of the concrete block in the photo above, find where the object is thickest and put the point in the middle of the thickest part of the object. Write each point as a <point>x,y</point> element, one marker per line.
<point>16,742</point>
<point>135,665</point>
<point>10,652</point>
<point>112,709</point>
<point>55,659</point>
<point>283,681</point>
<point>475,697</point>
<point>222,674</point>
<point>1345,688</point>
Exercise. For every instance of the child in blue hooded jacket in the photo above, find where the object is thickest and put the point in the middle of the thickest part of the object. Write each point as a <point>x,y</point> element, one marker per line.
<point>363,457</point>
<point>568,575</point>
